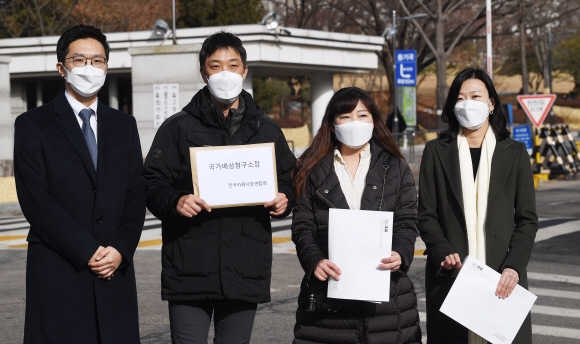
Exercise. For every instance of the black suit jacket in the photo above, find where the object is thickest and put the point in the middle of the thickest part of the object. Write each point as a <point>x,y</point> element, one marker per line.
<point>510,227</point>
<point>72,210</point>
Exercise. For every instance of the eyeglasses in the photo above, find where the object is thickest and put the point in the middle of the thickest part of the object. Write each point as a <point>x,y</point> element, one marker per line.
<point>81,61</point>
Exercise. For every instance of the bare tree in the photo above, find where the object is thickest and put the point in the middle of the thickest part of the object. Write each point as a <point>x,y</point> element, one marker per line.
<point>450,22</point>
<point>530,35</point>
<point>26,18</point>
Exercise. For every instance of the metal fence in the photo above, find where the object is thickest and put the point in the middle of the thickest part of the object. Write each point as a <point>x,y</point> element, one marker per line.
<point>409,141</point>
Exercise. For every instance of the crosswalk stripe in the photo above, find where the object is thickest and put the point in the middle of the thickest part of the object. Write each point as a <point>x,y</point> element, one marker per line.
<point>5,222</point>
<point>560,229</point>
<point>11,219</point>
<point>553,278</point>
<point>559,311</point>
<point>556,293</point>
<point>536,329</point>
<point>19,225</point>
<point>561,332</point>
<point>281,223</point>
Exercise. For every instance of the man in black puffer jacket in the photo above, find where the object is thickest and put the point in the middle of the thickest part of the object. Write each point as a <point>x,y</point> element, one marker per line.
<point>215,261</point>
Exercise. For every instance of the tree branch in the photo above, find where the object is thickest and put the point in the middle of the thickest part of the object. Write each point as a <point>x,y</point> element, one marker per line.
<point>463,30</point>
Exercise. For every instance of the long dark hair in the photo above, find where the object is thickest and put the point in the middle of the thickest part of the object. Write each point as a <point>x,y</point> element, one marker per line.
<point>343,101</point>
<point>497,119</point>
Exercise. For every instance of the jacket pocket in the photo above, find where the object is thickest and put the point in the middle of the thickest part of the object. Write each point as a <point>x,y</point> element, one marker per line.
<point>254,252</point>
<point>196,256</point>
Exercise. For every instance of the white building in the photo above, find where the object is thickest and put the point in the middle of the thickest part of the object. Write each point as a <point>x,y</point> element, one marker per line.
<point>139,60</point>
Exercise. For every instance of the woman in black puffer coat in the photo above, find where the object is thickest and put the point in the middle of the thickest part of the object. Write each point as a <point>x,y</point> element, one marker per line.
<point>353,163</point>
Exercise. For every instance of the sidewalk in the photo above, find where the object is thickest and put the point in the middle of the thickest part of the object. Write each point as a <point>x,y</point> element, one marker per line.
<point>8,199</point>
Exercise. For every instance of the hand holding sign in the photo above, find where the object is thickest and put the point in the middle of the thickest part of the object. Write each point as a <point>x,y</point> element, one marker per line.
<point>230,176</point>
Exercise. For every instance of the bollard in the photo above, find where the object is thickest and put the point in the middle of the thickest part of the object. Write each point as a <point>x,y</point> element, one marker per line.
<point>561,147</point>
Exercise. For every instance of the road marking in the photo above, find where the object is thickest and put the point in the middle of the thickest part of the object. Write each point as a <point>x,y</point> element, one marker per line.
<point>18,225</point>
<point>553,278</point>
<point>12,237</point>
<point>556,331</point>
<point>278,240</point>
<point>280,223</point>
<point>543,234</point>
<point>558,311</point>
<point>147,243</point>
<point>19,246</point>
<point>536,329</point>
<point>561,229</point>
<point>556,293</point>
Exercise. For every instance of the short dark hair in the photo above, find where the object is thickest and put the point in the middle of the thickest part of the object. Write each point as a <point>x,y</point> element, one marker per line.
<point>497,119</point>
<point>221,40</point>
<point>79,32</point>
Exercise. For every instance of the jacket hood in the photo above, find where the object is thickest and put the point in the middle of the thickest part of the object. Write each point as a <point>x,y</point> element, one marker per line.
<point>202,108</point>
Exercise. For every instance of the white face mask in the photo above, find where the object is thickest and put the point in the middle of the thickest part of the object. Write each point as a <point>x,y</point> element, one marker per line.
<point>354,134</point>
<point>471,114</point>
<point>87,80</point>
<point>225,86</point>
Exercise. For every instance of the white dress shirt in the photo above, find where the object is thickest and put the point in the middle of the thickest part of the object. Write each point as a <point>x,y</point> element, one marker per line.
<point>78,106</point>
<point>352,187</point>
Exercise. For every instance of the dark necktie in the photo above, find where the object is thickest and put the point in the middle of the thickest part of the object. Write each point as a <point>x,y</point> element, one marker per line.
<point>89,135</point>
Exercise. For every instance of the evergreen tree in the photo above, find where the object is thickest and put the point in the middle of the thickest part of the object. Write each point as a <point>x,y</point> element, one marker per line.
<point>198,13</point>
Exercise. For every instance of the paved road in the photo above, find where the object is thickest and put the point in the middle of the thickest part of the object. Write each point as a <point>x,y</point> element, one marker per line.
<point>554,274</point>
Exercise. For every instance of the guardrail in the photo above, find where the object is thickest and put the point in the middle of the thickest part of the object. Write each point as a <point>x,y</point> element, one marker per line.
<point>406,141</point>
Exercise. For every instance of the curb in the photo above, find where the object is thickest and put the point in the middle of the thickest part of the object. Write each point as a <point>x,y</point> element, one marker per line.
<point>10,208</point>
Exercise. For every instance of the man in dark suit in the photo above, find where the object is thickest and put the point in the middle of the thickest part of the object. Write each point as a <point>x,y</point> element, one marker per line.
<point>78,166</point>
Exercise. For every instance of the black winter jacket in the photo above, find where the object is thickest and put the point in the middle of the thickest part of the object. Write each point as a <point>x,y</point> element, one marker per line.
<point>396,321</point>
<point>225,253</point>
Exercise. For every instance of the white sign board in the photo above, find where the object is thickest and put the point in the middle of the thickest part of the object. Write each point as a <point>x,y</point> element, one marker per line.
<point>537,106</point>
<point>165,102</point>
<point>230,176</point>
<point>357,241</point>
<point>472,303</point>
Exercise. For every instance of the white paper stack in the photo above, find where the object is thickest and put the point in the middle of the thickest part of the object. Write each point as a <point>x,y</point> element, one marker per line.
<point>472,303</point>
<point>357,241</point>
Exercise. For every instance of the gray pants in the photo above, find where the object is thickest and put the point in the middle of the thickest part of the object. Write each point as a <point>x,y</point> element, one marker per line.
<point>190,321</point>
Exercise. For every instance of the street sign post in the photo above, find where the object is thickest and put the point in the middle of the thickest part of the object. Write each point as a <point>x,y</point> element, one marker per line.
<point>537,106</point>
<point>406,68</point>
<point>522,133</point>
<point>409,105</point>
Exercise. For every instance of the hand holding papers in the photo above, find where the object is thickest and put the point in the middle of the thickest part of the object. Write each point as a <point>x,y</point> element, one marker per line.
<point>472,303</point>
<point>230,176</point>
<point>357,241</point>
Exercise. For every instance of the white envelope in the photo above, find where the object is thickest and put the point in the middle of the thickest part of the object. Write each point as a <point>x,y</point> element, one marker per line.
<point>357,241</point>
<point>472,303</point>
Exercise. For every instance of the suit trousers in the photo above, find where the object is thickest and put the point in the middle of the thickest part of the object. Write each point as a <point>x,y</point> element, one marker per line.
<point>190,321</point>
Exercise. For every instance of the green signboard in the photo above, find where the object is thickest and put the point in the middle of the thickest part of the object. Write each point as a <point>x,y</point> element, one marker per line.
<point>408,103</point>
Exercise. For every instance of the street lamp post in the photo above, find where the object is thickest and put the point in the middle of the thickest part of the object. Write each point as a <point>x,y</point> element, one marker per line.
<point>173,32</point>
<point>391,33</point>
<point>395,100</point>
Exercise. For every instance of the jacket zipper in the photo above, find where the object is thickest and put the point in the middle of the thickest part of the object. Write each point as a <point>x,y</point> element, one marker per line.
<point>386,167</point>
<point>328,203</point>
